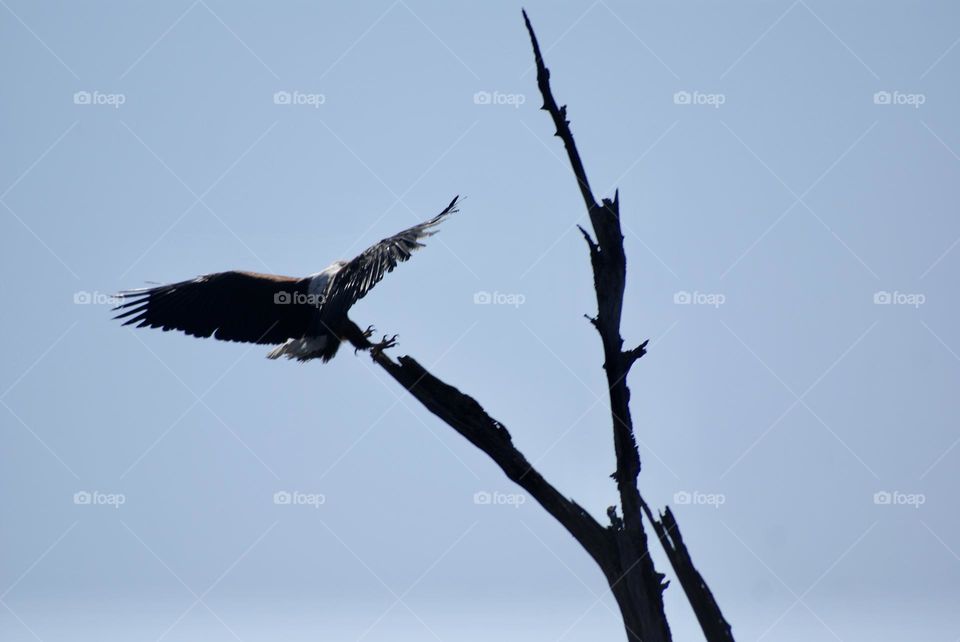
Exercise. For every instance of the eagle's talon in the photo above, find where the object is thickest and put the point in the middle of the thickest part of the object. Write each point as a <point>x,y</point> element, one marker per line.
<point>369,332</point>
<point>378,348</point>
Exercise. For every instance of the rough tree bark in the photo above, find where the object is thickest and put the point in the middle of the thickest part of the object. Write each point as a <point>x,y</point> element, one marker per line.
<point>620,549</point>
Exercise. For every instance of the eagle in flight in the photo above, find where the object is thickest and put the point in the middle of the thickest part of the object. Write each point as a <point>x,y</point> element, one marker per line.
<point>306,316</point>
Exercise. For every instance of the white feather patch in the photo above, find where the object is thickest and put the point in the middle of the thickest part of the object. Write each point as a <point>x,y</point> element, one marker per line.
<point>299,348</point>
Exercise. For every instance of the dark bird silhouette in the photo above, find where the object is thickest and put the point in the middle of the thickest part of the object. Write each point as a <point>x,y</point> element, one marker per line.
<point>306,316</point>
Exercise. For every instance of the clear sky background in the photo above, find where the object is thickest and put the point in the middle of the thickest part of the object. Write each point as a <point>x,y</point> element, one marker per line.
<point>785,200</point>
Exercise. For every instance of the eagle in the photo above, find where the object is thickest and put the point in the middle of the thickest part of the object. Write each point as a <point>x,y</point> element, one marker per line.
<point>305,317</point>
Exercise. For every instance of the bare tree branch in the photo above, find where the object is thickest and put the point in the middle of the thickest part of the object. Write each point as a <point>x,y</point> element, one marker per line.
<point>715,627</point>
<point>462,413</point>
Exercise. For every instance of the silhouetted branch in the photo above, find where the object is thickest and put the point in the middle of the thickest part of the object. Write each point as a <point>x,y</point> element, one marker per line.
<point>636,353</point>
<point>715,626</point>
<point>559,115</point>
<point>594,249</point>
<point>462,413</point>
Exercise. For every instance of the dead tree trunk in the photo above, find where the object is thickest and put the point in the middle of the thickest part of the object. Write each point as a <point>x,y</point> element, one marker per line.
<point>620,549</point>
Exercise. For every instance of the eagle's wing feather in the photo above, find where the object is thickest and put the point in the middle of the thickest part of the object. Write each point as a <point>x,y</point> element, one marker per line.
<point>359,276</point>
<point>233,306</point>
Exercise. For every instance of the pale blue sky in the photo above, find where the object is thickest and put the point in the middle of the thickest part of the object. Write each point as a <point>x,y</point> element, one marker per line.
<point>787,193</point>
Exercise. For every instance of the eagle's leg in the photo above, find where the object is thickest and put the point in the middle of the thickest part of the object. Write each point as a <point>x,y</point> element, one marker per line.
<point>361,343</point>
<point>358,338</point>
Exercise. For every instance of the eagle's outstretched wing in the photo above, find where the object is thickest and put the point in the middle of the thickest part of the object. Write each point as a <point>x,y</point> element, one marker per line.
<point>359,276</point>
<point>232,306</point>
